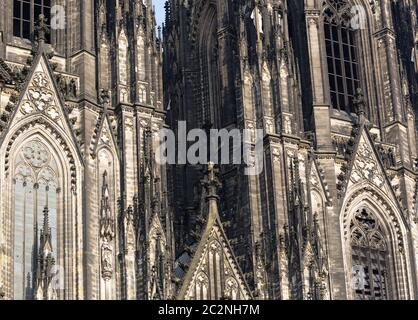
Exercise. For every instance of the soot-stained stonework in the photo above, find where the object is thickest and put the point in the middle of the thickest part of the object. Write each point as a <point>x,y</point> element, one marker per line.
<point>88,213</point>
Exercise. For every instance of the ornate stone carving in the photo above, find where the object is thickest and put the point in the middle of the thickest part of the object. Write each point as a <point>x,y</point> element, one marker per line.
<point>107,232</point>
<point>107,260</point>
<point>40,97</point>
<point>260,274</point>
<point>231,289</point>
<point>45,287</point>
<point>376,198</point>
<point>68,85</point>
<point>366,167</point>
<point>36,154</point>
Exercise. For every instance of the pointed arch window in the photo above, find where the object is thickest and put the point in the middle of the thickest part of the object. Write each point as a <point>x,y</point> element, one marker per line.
<point>341,51</point>
<point>36,188</point>
<point>209,78</point>
<point>369,255</point>
<point>25,15</point>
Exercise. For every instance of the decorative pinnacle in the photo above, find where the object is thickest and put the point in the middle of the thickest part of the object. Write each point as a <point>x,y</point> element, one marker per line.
<point>42,28</point>
<point>105,190</point>
<point>46,229</point>
<point>211,181</point>
<point>106,219</point>
<point>45,237</point>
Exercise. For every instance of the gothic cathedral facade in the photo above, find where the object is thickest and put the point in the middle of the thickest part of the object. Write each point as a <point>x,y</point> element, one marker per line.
<point>86,211</point>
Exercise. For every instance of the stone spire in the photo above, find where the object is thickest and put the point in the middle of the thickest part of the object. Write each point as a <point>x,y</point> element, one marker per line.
<point>46,262</point>
<point>107,223</point>
<point>212,185</point>
<point>45,238</point>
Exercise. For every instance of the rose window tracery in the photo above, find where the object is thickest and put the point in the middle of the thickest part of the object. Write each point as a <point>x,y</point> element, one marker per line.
<point>40,97</point>
<point>36,154</point>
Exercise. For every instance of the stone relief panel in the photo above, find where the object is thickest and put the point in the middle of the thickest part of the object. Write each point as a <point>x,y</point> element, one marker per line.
<point>40,98</point>
<point>366,166</point>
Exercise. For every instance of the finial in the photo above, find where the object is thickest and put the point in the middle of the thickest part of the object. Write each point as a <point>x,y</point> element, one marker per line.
<point>211,171</point>
<point>42,28</point>
<point>211,181</point>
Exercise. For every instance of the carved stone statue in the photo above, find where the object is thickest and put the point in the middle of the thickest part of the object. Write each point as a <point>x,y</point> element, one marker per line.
<point>107,232</point>
<point>107,263</point>
<point>359,103</point>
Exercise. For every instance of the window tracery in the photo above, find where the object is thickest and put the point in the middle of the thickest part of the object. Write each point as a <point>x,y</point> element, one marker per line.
<point>36,187</point>
<point>341,50</point>
<point>25,15</point>
<point>369,254</point>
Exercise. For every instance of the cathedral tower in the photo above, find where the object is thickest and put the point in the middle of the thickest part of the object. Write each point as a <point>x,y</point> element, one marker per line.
<point>81,105</point>
<point>88,213</point>
<point>334,87</point>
